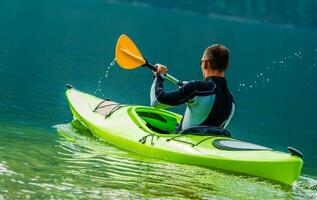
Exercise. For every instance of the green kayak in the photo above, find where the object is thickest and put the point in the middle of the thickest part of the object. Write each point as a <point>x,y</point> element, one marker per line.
<point>149,131</point>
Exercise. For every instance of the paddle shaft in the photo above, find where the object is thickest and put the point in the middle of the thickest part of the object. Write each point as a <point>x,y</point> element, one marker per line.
<point>168,77</point>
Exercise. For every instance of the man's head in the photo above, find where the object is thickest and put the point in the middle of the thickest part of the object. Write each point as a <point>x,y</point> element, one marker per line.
<point>215,59</point>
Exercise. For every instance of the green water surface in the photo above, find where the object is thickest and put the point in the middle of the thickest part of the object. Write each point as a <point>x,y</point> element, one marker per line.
<point>45,44</point>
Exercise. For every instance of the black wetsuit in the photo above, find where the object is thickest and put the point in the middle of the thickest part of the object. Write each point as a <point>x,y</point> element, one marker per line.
<point>209,102</point>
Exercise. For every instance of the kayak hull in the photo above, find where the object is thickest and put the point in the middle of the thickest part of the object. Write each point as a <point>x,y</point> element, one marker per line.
<point>126,129</point>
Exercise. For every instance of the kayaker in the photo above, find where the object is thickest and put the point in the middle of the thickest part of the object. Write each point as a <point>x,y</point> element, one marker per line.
<point>209,101</point>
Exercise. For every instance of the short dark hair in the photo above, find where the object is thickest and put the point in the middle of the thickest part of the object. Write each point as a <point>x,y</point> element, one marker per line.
<point>218,56</point>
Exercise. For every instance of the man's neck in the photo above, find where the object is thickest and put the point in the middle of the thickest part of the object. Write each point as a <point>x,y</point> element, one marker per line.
<point>214,73</point>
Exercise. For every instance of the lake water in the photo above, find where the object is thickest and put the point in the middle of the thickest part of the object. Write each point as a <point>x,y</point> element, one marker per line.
<point>45,44</point>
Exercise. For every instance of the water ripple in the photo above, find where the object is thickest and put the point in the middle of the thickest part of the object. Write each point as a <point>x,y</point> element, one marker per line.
<point>5,170</point>
<point>77,165</point>
<point>109,167</point>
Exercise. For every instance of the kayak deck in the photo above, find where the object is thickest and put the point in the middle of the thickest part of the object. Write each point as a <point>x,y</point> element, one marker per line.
<point>149,131</point>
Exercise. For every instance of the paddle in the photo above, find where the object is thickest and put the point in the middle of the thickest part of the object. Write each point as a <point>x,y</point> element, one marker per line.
<point>128,56</point>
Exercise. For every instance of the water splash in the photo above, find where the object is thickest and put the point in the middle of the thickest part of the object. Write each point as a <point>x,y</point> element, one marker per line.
<point>104,77</point>
<point>262,79</point>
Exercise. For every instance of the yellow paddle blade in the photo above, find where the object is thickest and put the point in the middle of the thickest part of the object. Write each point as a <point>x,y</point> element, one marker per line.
<point>128,55</point>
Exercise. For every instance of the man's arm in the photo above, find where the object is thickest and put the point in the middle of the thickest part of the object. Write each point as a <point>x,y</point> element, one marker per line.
<point>162,99</point>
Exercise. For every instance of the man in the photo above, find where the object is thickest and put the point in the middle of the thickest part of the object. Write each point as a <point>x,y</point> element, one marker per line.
<point>209,102</point>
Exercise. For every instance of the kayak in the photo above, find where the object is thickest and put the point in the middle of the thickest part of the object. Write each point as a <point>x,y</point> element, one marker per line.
<point>150,131</point>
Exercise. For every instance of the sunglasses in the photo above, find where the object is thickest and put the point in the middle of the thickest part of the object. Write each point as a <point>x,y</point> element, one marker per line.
<point>201,62</point>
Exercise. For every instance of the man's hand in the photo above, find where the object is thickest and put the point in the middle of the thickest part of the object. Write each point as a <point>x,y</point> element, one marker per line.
<point>161,69</point>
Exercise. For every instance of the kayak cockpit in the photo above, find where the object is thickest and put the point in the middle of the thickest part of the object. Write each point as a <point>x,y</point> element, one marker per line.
<point>165,122</point>
<point>156,120</point>
<point>147,118</point>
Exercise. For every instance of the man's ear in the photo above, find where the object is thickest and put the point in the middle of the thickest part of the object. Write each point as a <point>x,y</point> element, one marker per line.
<point>206,65</point>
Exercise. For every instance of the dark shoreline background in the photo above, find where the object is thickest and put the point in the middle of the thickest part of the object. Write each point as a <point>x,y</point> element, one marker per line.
<point>291,13</point>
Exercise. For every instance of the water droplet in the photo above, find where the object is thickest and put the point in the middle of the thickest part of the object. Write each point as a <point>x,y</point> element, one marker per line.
<point>243,84</point>
<point>281,61</point>
<point>299,53</point>
<point>106,75</point>
<point>251,86</point>
<point>268,80</point>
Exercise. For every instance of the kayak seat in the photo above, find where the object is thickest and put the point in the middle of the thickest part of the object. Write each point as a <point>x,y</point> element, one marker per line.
<point>159,122</point>
<point>236,145</point>
<point>206,130</point>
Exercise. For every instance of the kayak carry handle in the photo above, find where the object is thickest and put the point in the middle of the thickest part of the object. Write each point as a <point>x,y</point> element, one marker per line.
<point>295,152</point>
<point>69,86</point>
